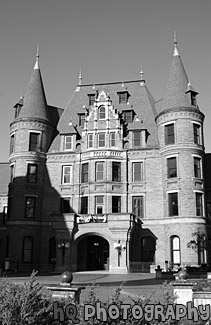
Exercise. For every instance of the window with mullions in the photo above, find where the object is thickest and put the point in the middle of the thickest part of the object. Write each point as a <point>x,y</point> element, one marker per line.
<point>102,113</point>
<point>172,167</point>
<point>66,174</point>
<point>196,133</point>
<point>128,116</point>
<point>173,204</point>
<point>137,206</point>
<point>101,140</point>
<point>116,171</point>
<point>175,250</point>
<point>197,167</point>
<point>199,204</point>
<point>91,99</point>
<point>169,134</point>
<point>137,172</point>
<point>81,119</point>
<point>27,249</point>
<point>84,205</point>
<point>34,141</point>
<point>99,176</point>
<point>30,205</point>
<point>123,97</point>
<point>137,139</point>
<point>99,204</point>
<point>90,140</point>
<point>68,142</point>
<point>84,173</point>
<point>112,139</point>
<point>32,173</point>
<point>116,204</point>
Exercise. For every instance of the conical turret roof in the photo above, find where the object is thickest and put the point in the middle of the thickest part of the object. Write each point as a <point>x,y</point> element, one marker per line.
<point>175,95</point>
<point>35,104</point>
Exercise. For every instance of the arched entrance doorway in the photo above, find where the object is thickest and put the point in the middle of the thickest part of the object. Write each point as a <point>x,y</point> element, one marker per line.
<point>93,253</point>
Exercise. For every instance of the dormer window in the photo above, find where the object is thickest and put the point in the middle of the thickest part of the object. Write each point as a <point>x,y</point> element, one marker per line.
<point>193,99</point>
<point>101,112</point>
<point>81,119</point>
<point>68,142</point>
<point>128,116</point>
<point>123,97</point>
<point>91,99</point>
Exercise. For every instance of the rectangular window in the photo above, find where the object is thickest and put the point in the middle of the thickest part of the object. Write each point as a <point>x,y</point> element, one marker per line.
<point>27,249</point>
<point>128,116</point>
<point>112,139</point>
<point>5,210</point>
<point>81,119</point>
<point>32,173</point>
<point>193,99</point>
<point>99,204</point>
<point>66,174</point>
<point>34,141</point>
<point>91,99</point>
<point>99,171</point>
<point>90,140</point>
<point>101,140</point>
<point>197,167</point>
<point>65,206</point>
<point>116,171</point>
<point>123,97</point>
<point>68,142</point>
<point>199,206</point>
<point>196,133</point>
<point>12,169</point>
<point>84,173</point>
<point>84,205</point>
<point>137,139</point>
<point>173,204</point>
<point>30,205</point>
<point>116,204</point>
<point>137,172</point>
<point>172,167</point>
<point>169,134</point>
<point>137,207</point>
<point>12,143</point>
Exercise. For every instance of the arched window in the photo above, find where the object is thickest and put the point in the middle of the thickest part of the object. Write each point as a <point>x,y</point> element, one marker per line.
<point>147,249</point>
<point>52,250</point>
<point>27,249</point>
<point>175,250</point>
<point>101,113</point>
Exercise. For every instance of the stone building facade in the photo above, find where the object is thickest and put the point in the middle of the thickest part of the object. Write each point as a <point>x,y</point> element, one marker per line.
<point>115,181</point>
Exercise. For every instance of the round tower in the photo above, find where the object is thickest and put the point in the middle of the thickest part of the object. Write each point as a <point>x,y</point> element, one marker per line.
<point>30,135</point>
<point>180,131</point>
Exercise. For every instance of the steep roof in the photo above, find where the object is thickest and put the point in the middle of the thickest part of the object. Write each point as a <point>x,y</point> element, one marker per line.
<point>177,86</point>
<point>140,101</point>
<point>4,177</point>
<point>35,104</point>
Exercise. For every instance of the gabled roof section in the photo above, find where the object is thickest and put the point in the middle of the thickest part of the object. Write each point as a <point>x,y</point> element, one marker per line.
<point>35,104</point>
<point>140,101</point>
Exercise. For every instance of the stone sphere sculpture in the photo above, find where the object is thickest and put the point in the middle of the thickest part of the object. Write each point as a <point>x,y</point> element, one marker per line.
<point>66,277</point>
<point>182,274</point>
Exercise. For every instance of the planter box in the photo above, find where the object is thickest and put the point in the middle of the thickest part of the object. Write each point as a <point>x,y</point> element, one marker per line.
<point>201,298</point>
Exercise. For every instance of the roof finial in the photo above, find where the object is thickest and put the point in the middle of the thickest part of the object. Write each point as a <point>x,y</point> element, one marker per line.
<point>37,58</point>
<point>142,77</point>
<point>80,78</point>
<point>176,53</point>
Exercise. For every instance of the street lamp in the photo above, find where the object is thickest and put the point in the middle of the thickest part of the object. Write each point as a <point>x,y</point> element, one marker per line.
<point>63,245</point>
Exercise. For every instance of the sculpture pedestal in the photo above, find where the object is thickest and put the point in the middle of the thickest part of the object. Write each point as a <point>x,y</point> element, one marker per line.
<point>64,292</point>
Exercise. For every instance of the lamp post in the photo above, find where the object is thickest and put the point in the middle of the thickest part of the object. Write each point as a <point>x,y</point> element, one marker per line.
<point>120,248</point>
<point>63,245</point>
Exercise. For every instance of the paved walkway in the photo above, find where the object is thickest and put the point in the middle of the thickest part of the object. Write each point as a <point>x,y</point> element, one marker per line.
<point>105,283</point>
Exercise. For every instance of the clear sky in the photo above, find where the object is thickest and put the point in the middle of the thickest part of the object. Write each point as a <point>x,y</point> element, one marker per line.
<point>109,40</point>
